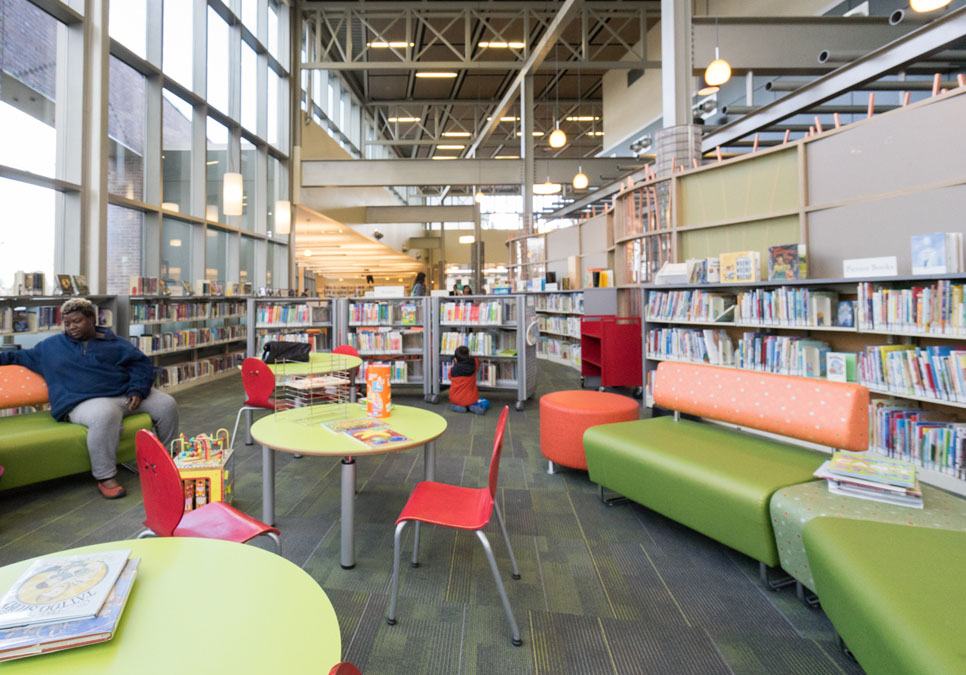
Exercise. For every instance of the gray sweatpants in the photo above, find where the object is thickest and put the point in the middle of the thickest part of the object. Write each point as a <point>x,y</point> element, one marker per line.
<point>103,416</point>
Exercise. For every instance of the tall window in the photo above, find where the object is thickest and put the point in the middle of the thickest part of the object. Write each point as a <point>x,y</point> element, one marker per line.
<point>125,247</point>
<point>217,61</point>
<point>125,131</point>
<point>177,56</point>
<point>176,251</point>
<point>216,168</point>
<point>216,255</point>
<point>176,140</point>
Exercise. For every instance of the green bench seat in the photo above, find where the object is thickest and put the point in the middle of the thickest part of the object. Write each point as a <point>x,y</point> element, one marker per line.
<point>895,593</point>
<point>714,480</point>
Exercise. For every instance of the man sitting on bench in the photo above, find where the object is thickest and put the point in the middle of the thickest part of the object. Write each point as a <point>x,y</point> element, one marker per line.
<point>96,379</point>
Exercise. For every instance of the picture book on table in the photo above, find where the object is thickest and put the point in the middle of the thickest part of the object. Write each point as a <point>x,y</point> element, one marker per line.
<point>875,469</point>
<point>62,589</point>
<point>23,641</point>
<point>343,426</point>
<point>374,438</point>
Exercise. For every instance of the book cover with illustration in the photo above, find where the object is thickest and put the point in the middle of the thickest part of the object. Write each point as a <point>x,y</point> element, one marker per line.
<point>928,253</point>
<point>739,266</point>
<point>840,366</point>
<point>376,437</point>
<point>787,262</point>
<point>44,638</point>
<point>876,469</point>
<point>61,589</point>
<point>343,426</point>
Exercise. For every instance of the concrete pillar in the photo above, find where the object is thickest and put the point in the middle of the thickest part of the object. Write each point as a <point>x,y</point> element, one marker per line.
<point>527,150</point>
<point>680,140</point>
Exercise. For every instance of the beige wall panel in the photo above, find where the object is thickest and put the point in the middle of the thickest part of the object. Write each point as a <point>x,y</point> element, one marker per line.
<point>881,228</point>
<point>593,234</point>
<point>897,151</point>
<point>563,243</point>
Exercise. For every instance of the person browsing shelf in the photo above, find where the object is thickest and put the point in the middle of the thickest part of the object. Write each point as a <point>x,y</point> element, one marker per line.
<point>96,379</point>
<point>467,290</point>
<point>463,393</point>
<point>419,285</point>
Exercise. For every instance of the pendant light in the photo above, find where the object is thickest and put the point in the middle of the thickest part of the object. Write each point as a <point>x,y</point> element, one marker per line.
<point>232,191</point>
<point>558,138</point>
<point>718,71</point>
<point>283,216</point>
<point>580,179</point>
<point>478,197</point>
<point>927,5</point>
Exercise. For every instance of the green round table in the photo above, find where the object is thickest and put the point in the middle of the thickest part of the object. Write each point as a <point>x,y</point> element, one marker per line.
<point>300,431</point>
<point>204,606</point>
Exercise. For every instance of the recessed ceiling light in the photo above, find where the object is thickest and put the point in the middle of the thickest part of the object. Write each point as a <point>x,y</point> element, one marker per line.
<point>502,45</point>
<point>382,44</point>
<point>507,157</point>
<point>535,133</point>
<point>439,74</point>
<point>405,119</point>
<point>582,118</point>
<point>450,147</point>
<point>456,134</point>
<point>444,157</point>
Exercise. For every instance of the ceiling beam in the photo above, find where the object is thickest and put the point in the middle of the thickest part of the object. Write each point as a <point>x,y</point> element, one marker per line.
<point>894,56</point>
<point>500,6</point>
<point>374,67</point>
<point>402,102</point>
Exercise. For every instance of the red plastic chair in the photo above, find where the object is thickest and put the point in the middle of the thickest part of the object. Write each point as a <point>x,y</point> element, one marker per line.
<point>259,383</point>
<point>350,351</point>
<point>344,668</point>
<point>163,495</point>
<point>461,508</point>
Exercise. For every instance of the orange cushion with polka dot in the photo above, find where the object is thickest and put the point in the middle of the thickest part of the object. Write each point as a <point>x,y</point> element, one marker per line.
<point>20,386</point>
<point>828,413</point>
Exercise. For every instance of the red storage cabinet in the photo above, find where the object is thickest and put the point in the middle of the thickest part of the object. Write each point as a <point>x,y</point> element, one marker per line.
<point>610,349</point>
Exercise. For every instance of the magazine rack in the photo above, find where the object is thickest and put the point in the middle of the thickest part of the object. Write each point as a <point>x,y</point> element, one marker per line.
<point>324,388</point>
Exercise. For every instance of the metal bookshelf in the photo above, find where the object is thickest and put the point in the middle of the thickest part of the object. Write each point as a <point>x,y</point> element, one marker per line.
<point>28,319</point>
<point>407,319</point>
<point>315,325</point>
<point>553,310</point>
<point>515,330</point>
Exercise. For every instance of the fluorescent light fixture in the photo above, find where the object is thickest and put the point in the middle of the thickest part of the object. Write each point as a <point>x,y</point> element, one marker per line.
<point>507,157</point>
<point>596,133</point>
<point>506,118</point>
<point>175,243</point>
<point>395,44</point>
<point>444,157</point>
<point>535,133</point>
<point>405,119</point>
<point>502,45</point>
<point>547,188</point>
<point>456,134</point>
<point>450,147</point>
<point>232,192</point>
<point>582,118</point>
<point>171,206</point>
<point>437,74</point>
<point>283,216</point>
<point>212,162</point>
<point>467,239</point>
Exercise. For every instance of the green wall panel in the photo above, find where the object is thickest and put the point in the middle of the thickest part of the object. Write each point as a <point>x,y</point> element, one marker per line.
<point>754,236</point>
<point>746,189</point>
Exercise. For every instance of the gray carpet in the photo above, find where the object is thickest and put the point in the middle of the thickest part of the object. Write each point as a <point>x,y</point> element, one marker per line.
<point>604,589</point>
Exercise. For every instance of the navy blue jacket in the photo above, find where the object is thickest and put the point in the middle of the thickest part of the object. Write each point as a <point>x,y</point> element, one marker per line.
<point>77,371</point>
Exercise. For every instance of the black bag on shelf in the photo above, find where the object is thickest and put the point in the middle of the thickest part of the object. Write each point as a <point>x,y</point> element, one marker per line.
<point>276,351</point>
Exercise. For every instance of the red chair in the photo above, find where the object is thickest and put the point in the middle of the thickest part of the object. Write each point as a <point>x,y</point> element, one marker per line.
<point>344,668</point>
<point>461,508</point>
<point>163,495</point>
<point>259,383</point>
<point>350,351</point>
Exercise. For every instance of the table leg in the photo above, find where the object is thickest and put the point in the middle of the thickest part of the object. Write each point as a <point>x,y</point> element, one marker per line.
<point>248,427</point>
<point>429,461</point>
<point>268,485</point>
<point>347,552</point>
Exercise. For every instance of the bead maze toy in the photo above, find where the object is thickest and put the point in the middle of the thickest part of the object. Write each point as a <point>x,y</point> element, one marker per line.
<point>205,464</point>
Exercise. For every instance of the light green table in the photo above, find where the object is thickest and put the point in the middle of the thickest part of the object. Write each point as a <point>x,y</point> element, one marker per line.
<point>204,606</point>
<point>793,506</point>
<point>300,431</point>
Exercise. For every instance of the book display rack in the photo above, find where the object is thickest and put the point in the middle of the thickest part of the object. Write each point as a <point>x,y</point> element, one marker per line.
<point>26,315</point>
<point>501,331</point>
<point>189,338</point>
<point>390,330</point>
<point>558,317</point>
<point>308,320</point>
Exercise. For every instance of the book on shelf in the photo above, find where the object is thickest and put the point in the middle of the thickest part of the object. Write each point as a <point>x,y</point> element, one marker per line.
<point>23,641</point>
<point>740,266</point>
<point>80,284</point>
<point>57,589</point>
<point>840,366</point>
<point>28,283</point>
<point>845,314</point>
<point>788,262</point>
<point>883,470</point>
<point>66,284</point>
<point>672,273</point>
<point>937,253</point>
<point>24,321</point>
<point>935,372</point>
<point>871,490</point>
<point>713,270</point>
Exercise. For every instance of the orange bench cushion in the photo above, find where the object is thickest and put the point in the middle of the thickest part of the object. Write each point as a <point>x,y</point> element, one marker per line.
<point>828,413</point>
<point>21,387</point>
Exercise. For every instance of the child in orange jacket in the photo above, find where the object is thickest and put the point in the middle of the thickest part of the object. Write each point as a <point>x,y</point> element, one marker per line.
<point>463,393</point>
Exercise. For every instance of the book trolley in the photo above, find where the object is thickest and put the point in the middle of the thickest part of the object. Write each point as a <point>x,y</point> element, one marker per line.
<point>308,320</point>
<point>500,330</point>
<point>390,330</point>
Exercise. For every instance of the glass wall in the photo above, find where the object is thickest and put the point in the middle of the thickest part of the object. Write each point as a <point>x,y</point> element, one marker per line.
<point>174,130</point>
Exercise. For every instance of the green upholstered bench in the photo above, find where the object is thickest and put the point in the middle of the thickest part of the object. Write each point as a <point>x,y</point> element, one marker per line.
<point>895,593</point>
<point>717,480</point>
<point>34,446</point>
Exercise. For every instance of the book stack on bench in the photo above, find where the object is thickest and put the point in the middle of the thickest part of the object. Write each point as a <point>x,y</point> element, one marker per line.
<point>59,603</point>
<point>879,479</point>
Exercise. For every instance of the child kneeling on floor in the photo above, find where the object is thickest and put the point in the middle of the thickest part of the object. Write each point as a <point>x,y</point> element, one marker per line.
<point>463,392</point>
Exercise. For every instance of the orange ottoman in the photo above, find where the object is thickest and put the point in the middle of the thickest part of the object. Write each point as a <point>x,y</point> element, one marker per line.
<point>565,415</point>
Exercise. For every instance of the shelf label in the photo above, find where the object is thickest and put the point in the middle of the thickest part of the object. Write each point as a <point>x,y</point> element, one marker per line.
<point>870,267</point>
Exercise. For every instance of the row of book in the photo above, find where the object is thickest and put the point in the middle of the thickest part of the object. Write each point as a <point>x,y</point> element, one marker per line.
<point>186,339</point>
<point>185,311</point>
<point>292,315</point>
<point>147,286</point>
<point>317,338</point>
<point>927,438</point>
<point>488,374</point>
<point>788,306</point>
<point>937,253</point>
<point>33,319</point>
<point>560,325</point>
<point>560,302</point>
<point>377,341</point>
<point>689,305</point>
<point>480,343</point>
<point>937,372</point>
<point>939,308</point>
<point>563,350</point>
<point>402,371</point>
<point>168,376</point>
<point>477,313</point>
<point>385,313</point>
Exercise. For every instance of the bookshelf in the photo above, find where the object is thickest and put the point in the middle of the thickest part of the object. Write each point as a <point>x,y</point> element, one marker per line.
<point>393,330</point>
<point>300,319</point>
<point>190,339</point>
<point>27,319</point>
<point>527,264</point>
<point>500,330</point>
<point>908,337</point>
<point>558,317</point>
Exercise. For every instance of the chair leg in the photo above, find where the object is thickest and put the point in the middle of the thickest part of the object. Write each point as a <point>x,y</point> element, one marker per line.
<point>415,562</point>
<point>396,545</point>
<point>231,441</point>
<point>275,538</point>
<point>145,533</point>
<point>506,538</point>
<point>499,586</point>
